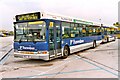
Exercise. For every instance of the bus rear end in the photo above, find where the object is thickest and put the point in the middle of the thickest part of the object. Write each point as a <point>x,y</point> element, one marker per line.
<point>109,34</point>
<point>118,33</point>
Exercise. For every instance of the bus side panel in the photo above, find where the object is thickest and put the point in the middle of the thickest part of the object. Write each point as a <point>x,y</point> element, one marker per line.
<point>77,44</point>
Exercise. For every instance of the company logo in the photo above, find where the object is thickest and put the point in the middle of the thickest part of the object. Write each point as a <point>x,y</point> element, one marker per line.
<point>27,48</point>
<point>76,41</point>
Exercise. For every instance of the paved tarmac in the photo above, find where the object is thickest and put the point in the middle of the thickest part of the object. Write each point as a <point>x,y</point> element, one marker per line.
<point>101,62</point>
<point>6,44</point>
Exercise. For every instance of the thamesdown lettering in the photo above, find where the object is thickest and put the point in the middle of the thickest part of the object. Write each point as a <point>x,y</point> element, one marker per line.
<point>76,42</point>
<point>30,48</point>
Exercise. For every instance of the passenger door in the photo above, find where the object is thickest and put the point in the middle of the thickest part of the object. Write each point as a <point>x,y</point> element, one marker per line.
<point>55,39</point>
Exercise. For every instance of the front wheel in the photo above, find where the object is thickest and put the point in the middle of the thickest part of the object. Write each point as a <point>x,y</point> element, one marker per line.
<point>65,52</point>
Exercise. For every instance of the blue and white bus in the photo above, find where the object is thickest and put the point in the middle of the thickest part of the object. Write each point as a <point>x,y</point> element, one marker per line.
<point>109,33</point>
<point>46,36</point>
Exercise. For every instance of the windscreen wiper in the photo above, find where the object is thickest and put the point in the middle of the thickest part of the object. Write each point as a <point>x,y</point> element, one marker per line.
<point>20,39</point>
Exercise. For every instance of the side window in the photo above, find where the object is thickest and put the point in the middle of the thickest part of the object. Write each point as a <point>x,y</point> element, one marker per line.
<point>90,31</point>
<point>77,30</point>
<point>87,30</point>
<point>108,31</point>
<point>84,30</point>
<point>94,31</point>
<point>65,30</point>
<point>80,30</point>
<point>102,30</point>
<point>58,32</point>
<point>51,32</point>
<point>112,31</point>
<point>99,31</point>
<point>74,30</point>
<point>105,31</point>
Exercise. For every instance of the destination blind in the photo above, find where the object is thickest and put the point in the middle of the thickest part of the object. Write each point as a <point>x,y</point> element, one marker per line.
<point>29,16</point>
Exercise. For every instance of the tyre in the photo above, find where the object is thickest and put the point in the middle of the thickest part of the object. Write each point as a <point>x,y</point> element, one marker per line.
<point>107,39</point>
<point>94,44</point>
<point>114,38</point>
<point>65,52</point>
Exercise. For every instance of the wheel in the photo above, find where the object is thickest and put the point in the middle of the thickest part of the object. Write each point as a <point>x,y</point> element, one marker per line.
<point>65,52</point>
<point>114,38</point>
<point>94,44</point>
<point>107,39</point>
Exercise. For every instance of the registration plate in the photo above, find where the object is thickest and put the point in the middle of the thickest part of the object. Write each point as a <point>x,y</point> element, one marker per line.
<point>27,56</point>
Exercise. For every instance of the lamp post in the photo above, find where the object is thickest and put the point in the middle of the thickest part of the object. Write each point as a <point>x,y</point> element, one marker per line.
<point>101,27</point>
<point>101,23</point>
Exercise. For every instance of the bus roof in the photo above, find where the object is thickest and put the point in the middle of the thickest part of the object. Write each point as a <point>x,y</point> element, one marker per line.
<point>54,16</point>
<point>109,26</point>
<point>48,15</point>
<point>114,27</point>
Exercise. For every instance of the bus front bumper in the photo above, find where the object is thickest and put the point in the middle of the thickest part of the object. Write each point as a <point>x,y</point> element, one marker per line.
<point>32,56</point>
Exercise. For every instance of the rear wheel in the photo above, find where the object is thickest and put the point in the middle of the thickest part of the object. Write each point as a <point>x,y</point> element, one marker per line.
<point>65,52</point>
<point>94,44</point>
<point>107,39</point>
<point>114,38</point>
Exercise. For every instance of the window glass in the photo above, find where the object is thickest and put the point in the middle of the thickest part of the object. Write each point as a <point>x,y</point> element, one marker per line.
<point>87,30</point>
<point>83,30</point>
<point>79,28</point>
<point>30,31</point>
<point>36,30</point>
<point>21,32</point>
<point>90,30</point>
<point>94,31</point>
<point>65,30</point>
<point>74,30</point>
<point>98,31</point>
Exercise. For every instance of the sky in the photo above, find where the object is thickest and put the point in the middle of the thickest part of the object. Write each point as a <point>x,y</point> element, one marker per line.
<point>103,11</point>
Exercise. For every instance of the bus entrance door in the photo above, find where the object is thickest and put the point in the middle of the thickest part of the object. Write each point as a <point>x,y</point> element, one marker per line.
<point>54,39</point>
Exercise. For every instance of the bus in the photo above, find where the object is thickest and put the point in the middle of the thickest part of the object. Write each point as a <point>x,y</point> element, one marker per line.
<point>47,36</point>
<point>109,33</point>
<point>118,33</point>
<point>2,34</point>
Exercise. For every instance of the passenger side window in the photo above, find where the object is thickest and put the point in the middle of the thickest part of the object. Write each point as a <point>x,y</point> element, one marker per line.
<point>90,31</point>
<point>84,30</point>
<point>80,30</point>
<point>65,30</point>
<point>73,30</point>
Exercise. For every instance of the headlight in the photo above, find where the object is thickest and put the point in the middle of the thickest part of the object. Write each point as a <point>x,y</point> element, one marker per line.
<point>44,52</point>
